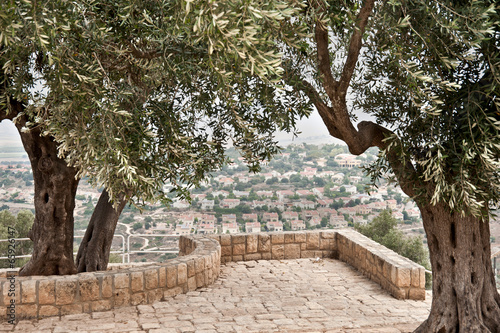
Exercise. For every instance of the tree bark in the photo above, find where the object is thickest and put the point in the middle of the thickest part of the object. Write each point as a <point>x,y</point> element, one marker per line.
<point>55,190</point>
<point>93,254</point>
<point>465,298</point>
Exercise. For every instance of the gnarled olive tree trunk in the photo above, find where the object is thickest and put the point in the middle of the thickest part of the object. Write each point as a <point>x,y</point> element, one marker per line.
<point>55,189</point>
<point>465,298</point>
<point>93,254</point>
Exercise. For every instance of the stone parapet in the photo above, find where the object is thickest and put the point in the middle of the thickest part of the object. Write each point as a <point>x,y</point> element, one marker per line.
<point>277,245</point>
<point>403,278</point>
<point>198,265</point>
<point>44,296</point>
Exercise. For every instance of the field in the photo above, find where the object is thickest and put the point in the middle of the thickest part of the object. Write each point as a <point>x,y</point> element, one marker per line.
<point>12,151</point>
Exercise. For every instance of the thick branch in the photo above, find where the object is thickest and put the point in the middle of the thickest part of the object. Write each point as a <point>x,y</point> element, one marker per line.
<point>355,46</point>
<point>367,135</point>
<point>329,84</point>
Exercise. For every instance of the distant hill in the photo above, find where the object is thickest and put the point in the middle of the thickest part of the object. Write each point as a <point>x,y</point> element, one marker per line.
<point>11,147</point>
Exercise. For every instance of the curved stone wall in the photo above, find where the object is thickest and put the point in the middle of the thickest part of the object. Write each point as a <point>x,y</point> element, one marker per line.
<point>198,265</point>
<point>44,296</point>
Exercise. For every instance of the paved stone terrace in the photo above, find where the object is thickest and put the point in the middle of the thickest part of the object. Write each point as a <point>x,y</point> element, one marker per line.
<point>302,295</point>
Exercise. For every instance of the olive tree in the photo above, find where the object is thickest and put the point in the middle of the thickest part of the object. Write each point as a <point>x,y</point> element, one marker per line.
<point>134,95</point>
<point>428,73</point>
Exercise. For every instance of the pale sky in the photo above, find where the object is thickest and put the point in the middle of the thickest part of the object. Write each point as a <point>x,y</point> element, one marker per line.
<point>312,130</point>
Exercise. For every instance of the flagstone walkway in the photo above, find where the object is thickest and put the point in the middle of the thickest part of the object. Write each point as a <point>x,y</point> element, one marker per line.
<point>302,295</point>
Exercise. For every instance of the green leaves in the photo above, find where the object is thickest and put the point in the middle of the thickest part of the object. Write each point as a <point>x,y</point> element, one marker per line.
<point>143,93</point>
<point>436,86</point>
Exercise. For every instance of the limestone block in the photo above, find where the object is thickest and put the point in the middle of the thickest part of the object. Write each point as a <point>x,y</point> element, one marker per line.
<point>238,239</point>
<point>199,264</point>
<point>192,283</point>
<point>264,243</point>
<point>289,237</point>
<point>417,294</point>
<point>122,280</point>
<point>292,251</point>
<point>200,279</point>
<point>225,240</point>
<point>415,277</point>
<point>106,286</point>
<point>252,243</point>
<point>154,295</point>
<point>300,237</point>
<point>136,281</point>
<point>71,309</point>
<point>328,254</point>
<point>172,292</point>
<point>237,258</point>
<point>65,291</point>
<point>48,311</point>
<point>307,254</point>
<point>191,268</point>
<point>252,256</point>
<point>328,234</point>
<point>162,277</point>
<point>138,299</point>
<point>312,240</point>
<point>266,256</point>
<point>211,277</point>
<point>238,249</point>
<point>28,291</point>
<point>46,292</point>
<point>122,297</point>
<point>171,276</point>
<point>181,273</point>
<point>226,251</point>
<point>208,262</point>
<point>89,288</point>
<point>324,244</point>
<point>277,238</point>
<point>278,252</point>
<point>101,305</point>
<point>11,286</point>
<point>26,311</point>
<point>403,278</point>
<point>398,293</point>
<point>151,277</point>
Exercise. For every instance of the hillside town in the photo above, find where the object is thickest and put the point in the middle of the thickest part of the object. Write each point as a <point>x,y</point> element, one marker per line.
<point>304,187</point>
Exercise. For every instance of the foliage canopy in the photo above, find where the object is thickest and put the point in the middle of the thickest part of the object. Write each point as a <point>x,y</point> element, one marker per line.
<point>143,93</point>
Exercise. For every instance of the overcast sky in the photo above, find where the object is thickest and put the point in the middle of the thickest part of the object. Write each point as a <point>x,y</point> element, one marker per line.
<point>312,130</point>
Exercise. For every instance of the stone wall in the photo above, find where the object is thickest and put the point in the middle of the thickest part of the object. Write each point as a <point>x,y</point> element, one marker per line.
<point>44,296</point>
<point>277,245</point>
<point>199,265</point>
<point>403,278</point>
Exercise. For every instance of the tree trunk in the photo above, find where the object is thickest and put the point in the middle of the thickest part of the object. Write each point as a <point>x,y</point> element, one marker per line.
<point>55,190</point>
<point>93,254</point>
<point>465,298</point>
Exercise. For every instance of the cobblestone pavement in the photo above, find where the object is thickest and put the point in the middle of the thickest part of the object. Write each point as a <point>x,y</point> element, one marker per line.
<point>266,296</point>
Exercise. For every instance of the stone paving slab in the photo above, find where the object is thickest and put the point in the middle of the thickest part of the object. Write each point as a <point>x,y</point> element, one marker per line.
<point>302,295</point>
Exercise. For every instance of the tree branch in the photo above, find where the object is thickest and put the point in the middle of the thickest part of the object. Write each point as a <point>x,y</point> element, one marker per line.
<point>329,84</point>
<point>355,46</point>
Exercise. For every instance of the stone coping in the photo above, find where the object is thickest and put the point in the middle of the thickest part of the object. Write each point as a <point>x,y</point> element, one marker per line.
<point>198,265</point>
<point>45,296</point>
